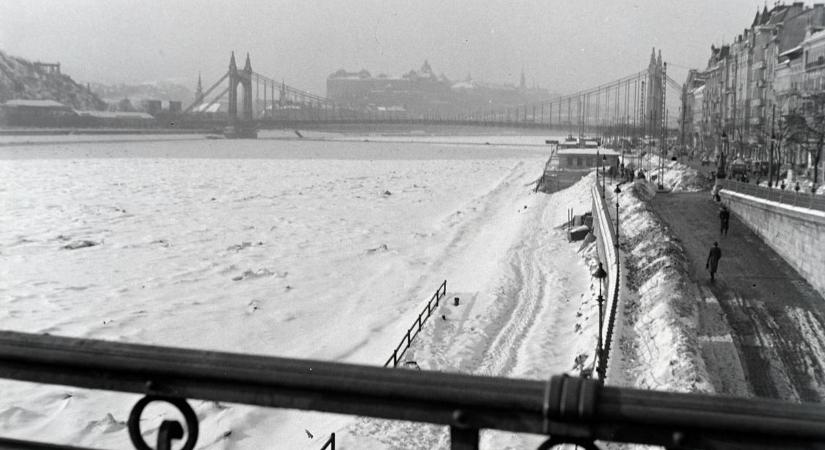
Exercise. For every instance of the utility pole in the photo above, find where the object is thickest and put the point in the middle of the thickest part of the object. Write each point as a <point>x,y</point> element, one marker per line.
<point>642,110</point>
<point>598,107</point>
<point>733,111</point>
<point>773,139</point>
<point>684,120</point>
<point>663,112</point>
<point>625,130</point>
<point>635,106</point>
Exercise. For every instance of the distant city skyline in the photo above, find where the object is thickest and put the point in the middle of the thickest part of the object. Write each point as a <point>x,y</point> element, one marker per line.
<point>561,46</point>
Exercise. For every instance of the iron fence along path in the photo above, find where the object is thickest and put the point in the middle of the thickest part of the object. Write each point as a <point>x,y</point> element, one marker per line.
<point>413,331</point>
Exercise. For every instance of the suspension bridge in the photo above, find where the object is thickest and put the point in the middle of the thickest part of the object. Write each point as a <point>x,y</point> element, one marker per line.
<point>629,107</point>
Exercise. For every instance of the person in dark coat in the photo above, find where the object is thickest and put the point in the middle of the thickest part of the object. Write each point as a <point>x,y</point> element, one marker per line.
<point>724,219</point>
<point>713,260</point>
<point>715,193</point>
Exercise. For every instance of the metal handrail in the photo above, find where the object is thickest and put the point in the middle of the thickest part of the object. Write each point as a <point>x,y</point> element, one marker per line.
<point>607,235</point>
<point>412,332</point>
<point>788,197</point>
<point>570,409</point>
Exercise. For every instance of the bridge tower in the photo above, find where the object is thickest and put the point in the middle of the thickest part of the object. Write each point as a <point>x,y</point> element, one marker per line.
<point>244,126</point>
<point>655,89</point>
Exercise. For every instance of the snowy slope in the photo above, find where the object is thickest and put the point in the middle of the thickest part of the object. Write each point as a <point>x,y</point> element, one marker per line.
<point>19,79</point>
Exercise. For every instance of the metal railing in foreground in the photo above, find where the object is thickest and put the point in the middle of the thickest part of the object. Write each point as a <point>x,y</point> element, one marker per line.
<point>571,410</point>
<point>413,331</point>
<point>786,196</point>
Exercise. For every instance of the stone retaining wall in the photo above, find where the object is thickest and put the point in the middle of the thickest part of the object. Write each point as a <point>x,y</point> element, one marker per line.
<point>797,234</point>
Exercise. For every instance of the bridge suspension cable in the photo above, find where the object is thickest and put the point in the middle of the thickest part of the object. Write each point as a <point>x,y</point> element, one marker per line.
<point>206,94</point>
<point>215,100</point>
<point>292,90</point>
<point>632,105</point>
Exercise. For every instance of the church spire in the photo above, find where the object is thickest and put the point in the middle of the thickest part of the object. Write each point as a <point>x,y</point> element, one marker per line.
<point>199,90</point>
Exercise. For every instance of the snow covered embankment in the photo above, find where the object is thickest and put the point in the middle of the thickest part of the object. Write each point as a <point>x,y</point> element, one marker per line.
<point>657,340</point>
<point>679,177</point>
<point>527,306</point>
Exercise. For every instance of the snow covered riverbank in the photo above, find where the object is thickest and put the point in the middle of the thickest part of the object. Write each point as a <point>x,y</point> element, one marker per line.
<point>313,249</point>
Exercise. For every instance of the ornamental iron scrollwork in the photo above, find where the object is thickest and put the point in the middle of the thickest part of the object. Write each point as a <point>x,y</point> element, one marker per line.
<point>169,430</point>
<point>579,443</point>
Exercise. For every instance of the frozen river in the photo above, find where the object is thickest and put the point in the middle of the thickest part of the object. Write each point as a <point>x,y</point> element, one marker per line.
<point>322,248</point>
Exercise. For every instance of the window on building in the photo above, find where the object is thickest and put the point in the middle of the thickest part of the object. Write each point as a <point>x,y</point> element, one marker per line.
<point>815,57</point>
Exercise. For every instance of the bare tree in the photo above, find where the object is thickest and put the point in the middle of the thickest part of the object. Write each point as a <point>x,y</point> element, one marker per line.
<point>806,126</point>
<point>774,137</point>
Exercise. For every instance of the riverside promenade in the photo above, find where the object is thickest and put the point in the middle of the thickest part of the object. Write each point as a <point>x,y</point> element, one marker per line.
<point>758,304</point>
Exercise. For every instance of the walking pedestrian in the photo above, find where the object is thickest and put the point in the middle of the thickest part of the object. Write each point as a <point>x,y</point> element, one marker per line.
<point>713,260</point>
<point>724,219</point>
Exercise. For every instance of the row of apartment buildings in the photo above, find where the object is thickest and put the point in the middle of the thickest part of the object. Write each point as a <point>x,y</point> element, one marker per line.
<point>749,89</point>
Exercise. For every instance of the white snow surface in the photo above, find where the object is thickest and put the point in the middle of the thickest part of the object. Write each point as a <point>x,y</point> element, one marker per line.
<point>323,249</point>
<point>657,337</point>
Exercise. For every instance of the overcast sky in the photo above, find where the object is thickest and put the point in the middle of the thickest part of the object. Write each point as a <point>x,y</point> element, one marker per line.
<point>563,45</point>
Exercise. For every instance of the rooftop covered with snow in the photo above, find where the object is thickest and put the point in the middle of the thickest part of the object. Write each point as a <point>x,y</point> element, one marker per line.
<point>34,103</point>
<point>589,151</point>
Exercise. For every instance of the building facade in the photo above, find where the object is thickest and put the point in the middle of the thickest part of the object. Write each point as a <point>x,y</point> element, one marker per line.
<point>421,93</point>
<point>738,104</point>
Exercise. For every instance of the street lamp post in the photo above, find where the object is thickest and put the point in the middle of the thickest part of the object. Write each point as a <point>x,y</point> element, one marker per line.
<point>720,173</point>
<point>617,191</point>
<point>597,171</point>
<point>604,163</point>
<point>770,161</point>
<point>662,164</point>
<point>600,369</point>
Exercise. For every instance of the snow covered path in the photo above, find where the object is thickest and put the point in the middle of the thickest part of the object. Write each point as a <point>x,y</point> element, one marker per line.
<point>525,311</point>
<point>777,318</point>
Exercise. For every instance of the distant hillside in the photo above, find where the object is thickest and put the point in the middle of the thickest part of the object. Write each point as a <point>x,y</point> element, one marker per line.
<point>161,90</point>
<point>20,78</point>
